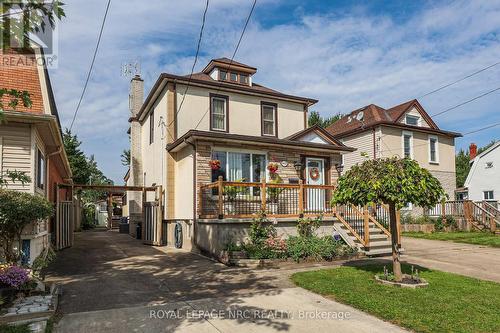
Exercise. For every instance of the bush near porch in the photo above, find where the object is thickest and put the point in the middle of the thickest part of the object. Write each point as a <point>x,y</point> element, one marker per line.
<point>451,302</point>
<point>265,244</point>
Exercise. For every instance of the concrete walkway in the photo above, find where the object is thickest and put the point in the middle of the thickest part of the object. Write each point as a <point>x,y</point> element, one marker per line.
<point>477,261</point>
<point>113,283</point>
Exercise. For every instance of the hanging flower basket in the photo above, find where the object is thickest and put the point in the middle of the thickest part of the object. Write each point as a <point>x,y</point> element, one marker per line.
<point>272,167</point>
<point>214,164</point>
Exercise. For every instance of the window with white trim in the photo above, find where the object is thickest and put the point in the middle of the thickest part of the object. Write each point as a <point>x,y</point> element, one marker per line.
<point>407,139</point>
<point>488,195</point>
<point>433,149</point>
<point>412,120</point>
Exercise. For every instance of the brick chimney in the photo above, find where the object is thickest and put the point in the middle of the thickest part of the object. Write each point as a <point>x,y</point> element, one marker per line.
<point>136,99</point>
<point>472,151</point>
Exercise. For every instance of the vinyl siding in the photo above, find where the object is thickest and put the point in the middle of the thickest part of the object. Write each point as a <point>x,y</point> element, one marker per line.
<point>15,140</point>
<point>363,142</point>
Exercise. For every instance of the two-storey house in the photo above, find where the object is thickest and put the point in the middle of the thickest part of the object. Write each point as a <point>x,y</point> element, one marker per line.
<point>219,124</point>
<point>31,140</point>
<point>405,130</point>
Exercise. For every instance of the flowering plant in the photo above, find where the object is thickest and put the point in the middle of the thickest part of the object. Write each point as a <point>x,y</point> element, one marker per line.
<point>14,276</point>
<point>214,164</point>
<point>276,244</point>
<point>272,167</point>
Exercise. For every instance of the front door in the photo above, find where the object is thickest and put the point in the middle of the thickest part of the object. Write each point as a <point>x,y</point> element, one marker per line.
<point>315,175</point>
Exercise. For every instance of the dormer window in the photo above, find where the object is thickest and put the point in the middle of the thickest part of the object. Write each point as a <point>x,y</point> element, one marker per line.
<point>222,75</point>
<point>234,77</point>
<point>412,120</point>
<point>243,79</point>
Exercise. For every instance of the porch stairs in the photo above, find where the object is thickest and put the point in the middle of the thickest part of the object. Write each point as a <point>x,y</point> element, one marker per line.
<point>484,217</point>
<point>380,243</point>
<point>360,228</point>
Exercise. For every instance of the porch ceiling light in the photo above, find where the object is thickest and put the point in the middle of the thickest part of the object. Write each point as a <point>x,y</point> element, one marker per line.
<point>339,168</point>
<point>298,166</point>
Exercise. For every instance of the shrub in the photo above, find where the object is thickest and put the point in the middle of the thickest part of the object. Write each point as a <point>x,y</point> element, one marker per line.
<point>448,221</point>
<point>306,227</point>
<point>17,210</point>
<point>14,276</point>
<point>261,229</point>
<point>317,248</point>
<point>42,261</point>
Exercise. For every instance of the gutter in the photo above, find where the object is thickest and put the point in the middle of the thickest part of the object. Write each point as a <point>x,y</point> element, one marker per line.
<point>195,204</point>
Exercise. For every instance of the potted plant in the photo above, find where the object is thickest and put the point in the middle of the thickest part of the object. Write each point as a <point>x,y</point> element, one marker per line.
<point>273,194</point>
<point>272,167</point>
<point>231,193</point>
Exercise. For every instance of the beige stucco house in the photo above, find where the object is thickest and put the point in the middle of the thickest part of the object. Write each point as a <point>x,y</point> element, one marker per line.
<point>219,125</point>
<point>405,130</point>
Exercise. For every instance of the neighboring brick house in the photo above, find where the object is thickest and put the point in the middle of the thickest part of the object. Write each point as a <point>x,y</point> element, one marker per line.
<point>225,116</point>
<point>405,130</point>
<point>31,140</point>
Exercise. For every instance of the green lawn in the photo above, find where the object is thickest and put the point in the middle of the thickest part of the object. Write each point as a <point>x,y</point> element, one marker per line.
<point>451,303</point>
<point>14,329</point>
<point>479,238</point>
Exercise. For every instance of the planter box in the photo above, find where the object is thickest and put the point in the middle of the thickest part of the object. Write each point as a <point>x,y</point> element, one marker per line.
<point>425,228</point>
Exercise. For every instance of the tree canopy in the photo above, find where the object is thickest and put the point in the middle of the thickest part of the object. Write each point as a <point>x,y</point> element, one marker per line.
<point>390,181</point>
<point>316,119</point>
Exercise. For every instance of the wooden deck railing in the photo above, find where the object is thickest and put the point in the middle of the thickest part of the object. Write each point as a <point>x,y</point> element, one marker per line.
<point>223,199</point>
<point>479,214</point>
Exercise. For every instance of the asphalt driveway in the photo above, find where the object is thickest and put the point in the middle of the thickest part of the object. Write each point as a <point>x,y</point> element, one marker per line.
<point>113,283</point>
<point>477,261</point>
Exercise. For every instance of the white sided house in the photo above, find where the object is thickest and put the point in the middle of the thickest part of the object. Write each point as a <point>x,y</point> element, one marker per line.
<point>215,142</point>
<point>483,180</point>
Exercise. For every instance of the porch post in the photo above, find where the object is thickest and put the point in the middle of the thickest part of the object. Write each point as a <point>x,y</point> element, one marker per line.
<point>263,194</point>
<point>220,188</point>
<point>366,223</point>
<point>301,198</point>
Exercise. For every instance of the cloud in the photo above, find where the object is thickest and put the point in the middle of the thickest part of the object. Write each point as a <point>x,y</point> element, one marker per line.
<point>346,59</point>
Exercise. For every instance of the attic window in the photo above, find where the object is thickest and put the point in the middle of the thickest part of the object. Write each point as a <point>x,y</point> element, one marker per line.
<point>222,75</point>
<point>234,77</point>
<point>243,79</point>
<point>412,120</point>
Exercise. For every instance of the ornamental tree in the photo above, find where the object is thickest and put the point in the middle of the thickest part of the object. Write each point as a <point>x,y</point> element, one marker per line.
<point>17,210</point>
<point>391,181</point>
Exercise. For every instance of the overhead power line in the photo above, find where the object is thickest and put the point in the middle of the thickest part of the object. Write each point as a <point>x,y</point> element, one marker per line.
<point>466,102</point>
<point>192,69</point>
<point>459,80</point>
<point>232,57</point>
<point>482,129</point>
<point>91,65</point>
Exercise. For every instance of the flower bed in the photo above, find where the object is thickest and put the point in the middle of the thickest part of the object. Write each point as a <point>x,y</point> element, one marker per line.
<point>264,244</point>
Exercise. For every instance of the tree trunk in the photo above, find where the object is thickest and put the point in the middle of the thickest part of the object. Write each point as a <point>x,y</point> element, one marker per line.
<point>396,263</point>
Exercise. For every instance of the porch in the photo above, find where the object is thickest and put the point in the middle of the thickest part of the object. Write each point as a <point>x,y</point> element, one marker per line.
<point>226,209</point>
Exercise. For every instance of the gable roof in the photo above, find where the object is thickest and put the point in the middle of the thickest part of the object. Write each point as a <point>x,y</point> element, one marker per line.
<point>320,131</point>
<point>476,160</point>
<point>374,115</point>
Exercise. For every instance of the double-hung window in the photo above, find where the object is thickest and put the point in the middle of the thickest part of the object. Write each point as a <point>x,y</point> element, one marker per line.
<point>269,115</point>
<point>40,170</point>
<point>407,144</point>
<point>433,149</point>
<point>218,113</point>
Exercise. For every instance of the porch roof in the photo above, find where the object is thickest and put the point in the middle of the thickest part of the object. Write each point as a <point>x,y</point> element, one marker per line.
<point>192,135</point>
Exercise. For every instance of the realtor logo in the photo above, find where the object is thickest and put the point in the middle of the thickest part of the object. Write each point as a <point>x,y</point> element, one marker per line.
<point>27,26</point>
